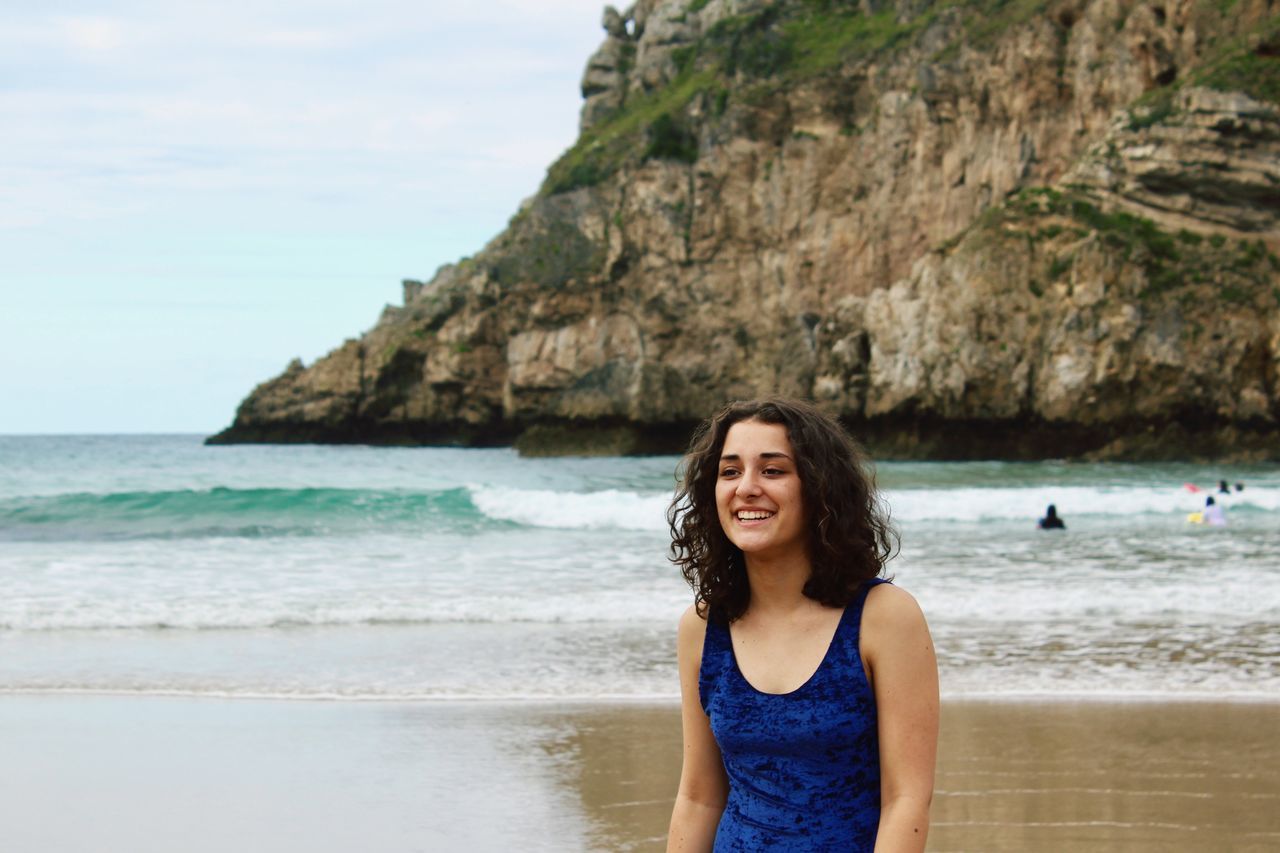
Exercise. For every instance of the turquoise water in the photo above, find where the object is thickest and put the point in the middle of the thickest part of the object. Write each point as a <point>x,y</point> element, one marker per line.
<point>154,564</point>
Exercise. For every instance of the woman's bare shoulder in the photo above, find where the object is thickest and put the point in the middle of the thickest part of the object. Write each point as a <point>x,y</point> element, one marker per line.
<point>692,622</point>
<point>891,608</point>
<point>691,633</point>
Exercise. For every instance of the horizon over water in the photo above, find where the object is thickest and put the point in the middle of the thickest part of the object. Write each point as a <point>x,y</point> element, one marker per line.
<point>153,565</point>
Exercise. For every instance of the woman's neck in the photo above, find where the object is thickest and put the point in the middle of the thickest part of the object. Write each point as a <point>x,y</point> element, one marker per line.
<point>777,583</point>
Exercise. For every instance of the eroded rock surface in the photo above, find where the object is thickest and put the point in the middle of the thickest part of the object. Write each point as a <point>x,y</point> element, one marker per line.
<point>1047,232</point>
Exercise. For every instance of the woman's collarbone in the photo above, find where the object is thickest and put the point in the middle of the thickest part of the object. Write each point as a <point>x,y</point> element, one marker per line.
<point>781,656</point>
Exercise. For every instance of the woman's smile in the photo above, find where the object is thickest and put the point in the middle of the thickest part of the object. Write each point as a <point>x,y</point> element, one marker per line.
<point>753,516</point>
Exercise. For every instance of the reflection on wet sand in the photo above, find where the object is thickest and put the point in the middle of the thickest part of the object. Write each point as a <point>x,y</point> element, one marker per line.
<point>1103,777</point>
<point>1063,776</point>
<point>136,773</point>
<point>624,767</point>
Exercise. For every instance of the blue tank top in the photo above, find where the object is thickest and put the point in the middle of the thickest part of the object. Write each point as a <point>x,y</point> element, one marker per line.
<point>804,766</point>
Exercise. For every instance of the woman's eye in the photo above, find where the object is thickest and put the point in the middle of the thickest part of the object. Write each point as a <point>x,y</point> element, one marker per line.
<point>729,472</point>
<point>773,472</point>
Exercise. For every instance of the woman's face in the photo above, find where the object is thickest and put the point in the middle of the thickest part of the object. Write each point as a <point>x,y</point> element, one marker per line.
<point>758,494</point>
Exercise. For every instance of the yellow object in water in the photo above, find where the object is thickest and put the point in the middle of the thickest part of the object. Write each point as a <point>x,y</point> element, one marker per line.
<point>1196,518</point>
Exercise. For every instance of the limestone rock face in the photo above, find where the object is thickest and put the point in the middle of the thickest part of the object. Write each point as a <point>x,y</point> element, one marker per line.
<point>1209,162</point>
<point>1051,234</point>
<point>604,80</point>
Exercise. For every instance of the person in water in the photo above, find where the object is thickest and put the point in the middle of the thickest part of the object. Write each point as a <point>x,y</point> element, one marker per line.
<point>1051,521</point>
<point>809,684</point>
<point>1213,514</point>
<point>1223,489</point>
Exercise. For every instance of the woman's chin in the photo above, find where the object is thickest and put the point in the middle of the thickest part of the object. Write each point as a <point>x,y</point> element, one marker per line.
<point>761,548</point>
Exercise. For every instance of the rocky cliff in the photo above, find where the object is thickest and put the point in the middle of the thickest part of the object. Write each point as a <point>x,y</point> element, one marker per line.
<point>970,228</point>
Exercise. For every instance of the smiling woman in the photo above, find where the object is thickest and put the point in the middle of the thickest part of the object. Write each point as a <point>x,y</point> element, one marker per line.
<point>758,495</point>
<point>809,684</point>
<point>849,533</point>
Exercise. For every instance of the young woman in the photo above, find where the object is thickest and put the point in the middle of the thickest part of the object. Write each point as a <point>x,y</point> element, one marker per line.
<point>809,684</point>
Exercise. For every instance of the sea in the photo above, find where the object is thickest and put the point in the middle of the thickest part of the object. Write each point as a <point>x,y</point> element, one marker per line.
<point>155,565</point>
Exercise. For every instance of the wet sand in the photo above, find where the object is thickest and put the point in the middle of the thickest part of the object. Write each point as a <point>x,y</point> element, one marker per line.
<point>1108,777</point>
<point>1062,776</point>
<point>95,773</point>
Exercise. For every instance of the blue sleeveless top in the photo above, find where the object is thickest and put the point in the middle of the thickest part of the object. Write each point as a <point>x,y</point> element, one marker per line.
<point>804,766</point>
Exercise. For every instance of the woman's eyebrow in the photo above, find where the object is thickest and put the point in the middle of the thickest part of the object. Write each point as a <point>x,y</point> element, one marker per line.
<point>772,454</point>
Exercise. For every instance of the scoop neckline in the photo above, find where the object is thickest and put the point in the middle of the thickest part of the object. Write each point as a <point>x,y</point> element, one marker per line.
<point>831,644</point>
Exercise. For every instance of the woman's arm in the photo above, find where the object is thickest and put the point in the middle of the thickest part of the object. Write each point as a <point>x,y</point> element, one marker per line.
<point>900,659</point>
<point>703,784</point>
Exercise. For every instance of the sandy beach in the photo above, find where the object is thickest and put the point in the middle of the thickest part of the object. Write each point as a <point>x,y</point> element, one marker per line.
<point>96,773</point>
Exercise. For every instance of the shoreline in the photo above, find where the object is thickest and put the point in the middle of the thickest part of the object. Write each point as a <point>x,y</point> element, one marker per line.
<point>886,437</point>
<point>606,700</point>
<point>151,773</point>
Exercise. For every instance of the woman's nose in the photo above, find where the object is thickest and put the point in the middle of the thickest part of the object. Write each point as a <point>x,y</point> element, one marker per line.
<point>748,485</point>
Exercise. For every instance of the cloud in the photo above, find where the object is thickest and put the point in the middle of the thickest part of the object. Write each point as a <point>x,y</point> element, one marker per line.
<point>305,39</point>
<point>93,34</point>
<point>250,147</point>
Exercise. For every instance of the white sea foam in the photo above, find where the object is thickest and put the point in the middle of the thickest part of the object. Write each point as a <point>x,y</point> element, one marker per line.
<point>208,610</point>
<point>610,508</point>
<point>625,510</point>
<point>558,584</point>
<point>1091,600</point>
<point>987,504</point>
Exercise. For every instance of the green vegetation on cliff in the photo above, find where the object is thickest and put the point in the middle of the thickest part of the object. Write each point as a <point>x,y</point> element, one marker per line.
<point>752,57</point>
<point>1252,70</point>
<point>765,51</point>
<point>1248,64</point>
<point>554,252</point>
<point>600,151</point>
<point>1215,268</point>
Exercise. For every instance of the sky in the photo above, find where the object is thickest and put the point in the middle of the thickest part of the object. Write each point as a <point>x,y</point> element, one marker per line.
<point>192,194</point>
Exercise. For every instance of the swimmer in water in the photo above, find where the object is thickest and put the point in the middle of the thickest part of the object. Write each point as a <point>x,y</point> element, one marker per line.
<point>1051,521</point>
<point>1213,514</point>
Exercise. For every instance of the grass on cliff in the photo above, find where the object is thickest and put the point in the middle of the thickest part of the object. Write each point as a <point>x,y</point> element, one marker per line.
<point>748,57</point>
<point>983,22</point>
<point>631,134</point>
<point>753,55</point>
<point>796,41</point>
<point>789,44</point>
<point>1248,64</point>
<point>1253,70</point>
<point>1236,271</point>
<point>1154,107</point>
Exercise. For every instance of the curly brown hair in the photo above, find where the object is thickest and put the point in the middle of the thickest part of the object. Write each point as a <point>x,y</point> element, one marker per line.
<point>851,538</point>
